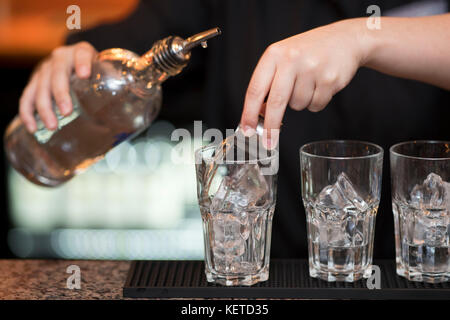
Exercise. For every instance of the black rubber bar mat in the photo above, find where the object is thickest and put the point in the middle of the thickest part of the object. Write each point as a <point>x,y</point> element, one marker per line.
<point>287,279</point>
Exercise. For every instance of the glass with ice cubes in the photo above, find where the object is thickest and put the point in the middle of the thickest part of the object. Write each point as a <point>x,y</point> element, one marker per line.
<point>341,184</point>
<point>236,192</point>
<point>420,174</point>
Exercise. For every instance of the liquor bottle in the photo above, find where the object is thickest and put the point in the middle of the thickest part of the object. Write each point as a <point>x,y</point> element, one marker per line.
<point>118,101</point>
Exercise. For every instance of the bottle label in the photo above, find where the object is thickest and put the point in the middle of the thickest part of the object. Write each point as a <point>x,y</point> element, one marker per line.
<point>42,134</point>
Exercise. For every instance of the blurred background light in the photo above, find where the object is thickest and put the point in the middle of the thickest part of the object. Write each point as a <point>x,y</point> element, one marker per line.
<point>134,204</point>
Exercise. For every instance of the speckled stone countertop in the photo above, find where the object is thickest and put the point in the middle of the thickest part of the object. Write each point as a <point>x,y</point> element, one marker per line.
<point>47,279</point>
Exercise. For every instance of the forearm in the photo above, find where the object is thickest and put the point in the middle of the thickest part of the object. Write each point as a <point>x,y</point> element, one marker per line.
<point>412,48</point>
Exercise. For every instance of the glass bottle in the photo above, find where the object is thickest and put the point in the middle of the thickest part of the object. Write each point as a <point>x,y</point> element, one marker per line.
<point>118,101</point>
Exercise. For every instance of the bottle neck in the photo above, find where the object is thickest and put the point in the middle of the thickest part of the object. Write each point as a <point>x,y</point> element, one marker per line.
<point>169,56</point>
<point>165,59</point>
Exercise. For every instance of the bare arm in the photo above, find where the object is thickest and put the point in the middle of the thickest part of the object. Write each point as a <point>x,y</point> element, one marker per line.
<point>412,48</point>
<point>308,69</point>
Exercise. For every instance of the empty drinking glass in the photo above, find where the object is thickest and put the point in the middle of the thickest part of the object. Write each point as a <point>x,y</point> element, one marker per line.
<point>237,202</point>
<point>420,174</point>
<point>341,184</point>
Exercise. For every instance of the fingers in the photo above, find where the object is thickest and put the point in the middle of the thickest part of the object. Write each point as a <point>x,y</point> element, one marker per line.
<point>302,94</point>
<point>263,109</point>
<point>52,79</point>
<point>43,101</point>
<point>61,69</point>
<point>321,97</point>
<point>279,96</point>
<point>326,86</point>
<point>26,106</point>
<point>257,91</point>
<point>83,55</point>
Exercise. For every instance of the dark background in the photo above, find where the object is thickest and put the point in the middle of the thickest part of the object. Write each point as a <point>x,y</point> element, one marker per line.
<point>15,78</point>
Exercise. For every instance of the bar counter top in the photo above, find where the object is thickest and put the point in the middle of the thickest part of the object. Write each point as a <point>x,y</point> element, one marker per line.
<point>47,279</point>
<point>22,279</point>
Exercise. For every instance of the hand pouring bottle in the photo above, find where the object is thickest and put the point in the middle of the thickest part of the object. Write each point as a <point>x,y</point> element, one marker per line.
<point>119,100</point>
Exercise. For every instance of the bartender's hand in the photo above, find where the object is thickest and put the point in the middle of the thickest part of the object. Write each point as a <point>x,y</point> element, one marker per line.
<point>304,71</point>
<point>51,79</point>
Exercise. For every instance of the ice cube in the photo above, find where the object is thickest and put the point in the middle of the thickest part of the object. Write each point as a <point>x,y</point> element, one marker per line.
<point>358,239</point>
<point>227,243</point>
<point>422,227</point>
<point>337,236</point>
<point>349,192</point>
<point>340,197</point>
<point>245,225</point>
<point>433,193</point>
<point>337,213</point>
<point>226,228</point>
<point>224,262</point>
<point>243,188</point>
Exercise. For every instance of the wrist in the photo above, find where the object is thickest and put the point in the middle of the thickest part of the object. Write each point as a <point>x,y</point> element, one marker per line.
<point>366,39</point>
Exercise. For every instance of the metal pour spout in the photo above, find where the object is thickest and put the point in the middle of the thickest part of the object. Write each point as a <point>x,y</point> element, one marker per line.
<point>200,39</point>
<point>172,53</point>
